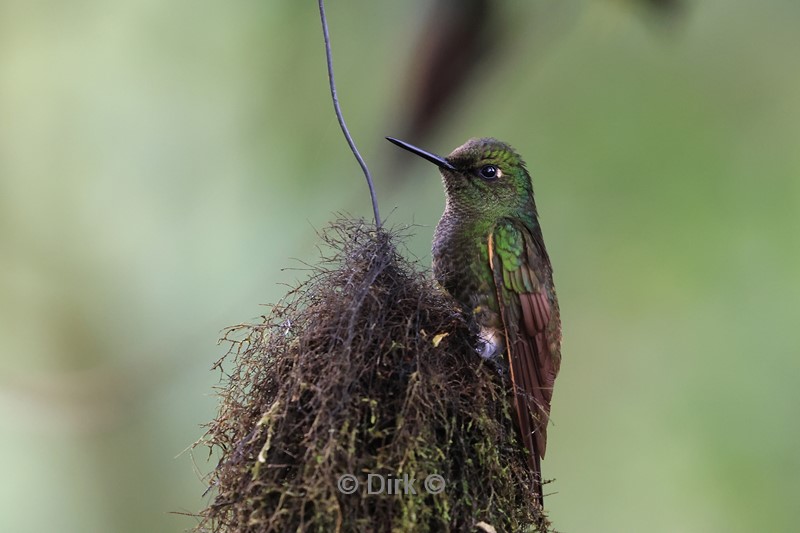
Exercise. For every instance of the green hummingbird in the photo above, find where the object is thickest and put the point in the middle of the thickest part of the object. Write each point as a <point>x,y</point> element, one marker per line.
<point>489,254</point>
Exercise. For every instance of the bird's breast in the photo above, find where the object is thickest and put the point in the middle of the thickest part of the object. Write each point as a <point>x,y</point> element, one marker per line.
<point>461,265</point>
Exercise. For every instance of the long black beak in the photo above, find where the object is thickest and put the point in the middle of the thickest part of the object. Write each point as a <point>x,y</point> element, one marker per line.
<point>439,161</point>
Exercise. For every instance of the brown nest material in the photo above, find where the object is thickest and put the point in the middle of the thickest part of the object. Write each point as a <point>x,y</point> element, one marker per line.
<point>366,368</point>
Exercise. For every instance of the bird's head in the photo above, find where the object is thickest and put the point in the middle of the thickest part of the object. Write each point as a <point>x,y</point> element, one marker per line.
<point>483,177</point>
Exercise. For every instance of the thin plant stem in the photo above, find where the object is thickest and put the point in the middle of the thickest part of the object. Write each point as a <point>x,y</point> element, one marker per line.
<point>339,116</point>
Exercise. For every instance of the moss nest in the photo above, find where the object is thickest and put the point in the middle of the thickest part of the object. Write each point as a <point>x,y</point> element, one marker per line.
<point>366,368</point>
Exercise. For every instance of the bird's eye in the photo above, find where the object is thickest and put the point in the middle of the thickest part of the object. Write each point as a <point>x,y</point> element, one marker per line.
<point>490,172</point>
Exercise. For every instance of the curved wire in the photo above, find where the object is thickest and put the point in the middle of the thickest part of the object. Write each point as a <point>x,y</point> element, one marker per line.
<point>339,116</point>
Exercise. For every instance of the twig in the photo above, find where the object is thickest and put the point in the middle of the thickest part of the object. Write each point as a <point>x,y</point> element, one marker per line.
<point>341,118</point>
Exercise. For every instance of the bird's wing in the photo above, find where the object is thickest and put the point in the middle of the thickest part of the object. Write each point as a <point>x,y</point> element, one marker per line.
<point>529,311</point>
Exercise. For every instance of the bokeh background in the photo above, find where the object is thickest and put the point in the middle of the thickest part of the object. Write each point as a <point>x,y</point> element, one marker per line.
<point>161,163</point>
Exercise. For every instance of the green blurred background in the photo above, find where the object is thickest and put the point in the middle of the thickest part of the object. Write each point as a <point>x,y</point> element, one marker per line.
<point>161,162</point>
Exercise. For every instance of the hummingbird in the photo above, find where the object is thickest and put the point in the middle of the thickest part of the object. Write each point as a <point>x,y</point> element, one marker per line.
<point>489,254</point>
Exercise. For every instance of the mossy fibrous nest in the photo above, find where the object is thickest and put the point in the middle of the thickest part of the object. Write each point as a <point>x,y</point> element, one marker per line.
<point>366,368</point>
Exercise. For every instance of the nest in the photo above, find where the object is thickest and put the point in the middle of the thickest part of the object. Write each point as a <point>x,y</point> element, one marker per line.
<point>366,369</point>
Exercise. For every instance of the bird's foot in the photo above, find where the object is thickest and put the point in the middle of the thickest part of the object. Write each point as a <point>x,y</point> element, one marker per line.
<point>490,343</point>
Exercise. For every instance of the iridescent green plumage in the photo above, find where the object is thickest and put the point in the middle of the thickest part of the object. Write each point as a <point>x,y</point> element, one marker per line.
<point>488,252</point>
